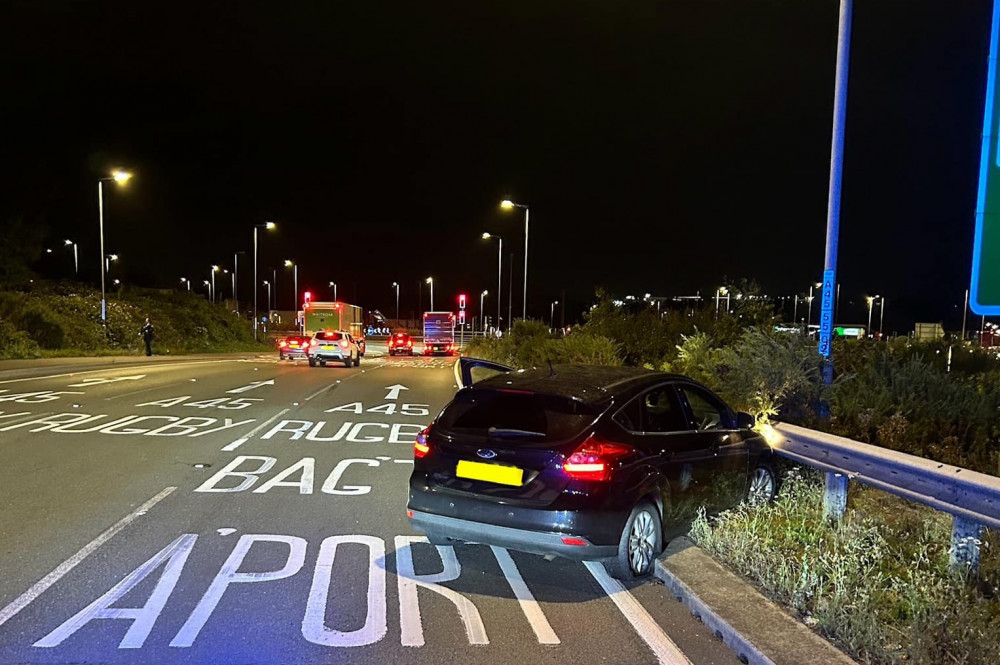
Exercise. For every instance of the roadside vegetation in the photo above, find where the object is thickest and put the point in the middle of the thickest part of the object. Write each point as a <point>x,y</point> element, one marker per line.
<point>47,319</point>
<point>878,583</point>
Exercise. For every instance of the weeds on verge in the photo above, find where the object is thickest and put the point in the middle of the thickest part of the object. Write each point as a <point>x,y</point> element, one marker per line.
<point>877,585</point>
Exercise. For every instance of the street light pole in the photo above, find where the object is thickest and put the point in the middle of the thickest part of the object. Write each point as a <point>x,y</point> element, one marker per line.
<point>334,285</point>
<point>508,204</point>
<point>76,260</point>
<point>871,301</point>
<point>215,269</point>
<point>121,177</point>
<point>295,286</point>
<point>881,315</point>
<point>487,236</point>
<point>265,225</point>
<point>430,280</point>
<point>268,285</point>
<point>185,279</point>
<point>481,316</point>
<point>396,284</point>
<point>552,313</point>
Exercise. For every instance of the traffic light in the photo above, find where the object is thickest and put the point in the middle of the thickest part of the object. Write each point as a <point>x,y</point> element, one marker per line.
<point>461,317</point>
<point>461,302</point>
<point>308,297</point>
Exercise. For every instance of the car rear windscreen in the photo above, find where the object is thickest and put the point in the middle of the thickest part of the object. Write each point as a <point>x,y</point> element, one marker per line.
<point>515,416</point>
<point>332,336</point>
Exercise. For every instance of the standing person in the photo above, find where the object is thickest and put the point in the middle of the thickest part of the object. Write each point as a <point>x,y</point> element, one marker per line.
<point>147,336</point>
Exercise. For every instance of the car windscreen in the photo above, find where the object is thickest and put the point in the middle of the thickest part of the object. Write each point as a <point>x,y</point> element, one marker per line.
<point>513,416</point>
<point>331,336</point>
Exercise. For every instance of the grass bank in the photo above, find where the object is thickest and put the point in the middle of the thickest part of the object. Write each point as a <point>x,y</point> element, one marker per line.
<point>47,319</point>
<point>877,585</point>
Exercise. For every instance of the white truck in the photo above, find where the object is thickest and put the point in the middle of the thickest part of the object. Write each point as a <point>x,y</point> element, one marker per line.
<point>439,333</point>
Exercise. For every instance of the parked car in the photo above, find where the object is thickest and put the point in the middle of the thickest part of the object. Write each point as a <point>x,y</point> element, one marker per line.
<point>293,347</point>
<point>400,342</point>
<point>584,462</point>
<point>334,345</point>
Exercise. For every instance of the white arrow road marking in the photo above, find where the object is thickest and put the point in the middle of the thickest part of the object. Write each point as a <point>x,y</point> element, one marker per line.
<point>394,391</point>
<point>246,437</point>
<point>226,531</point>
<point>253,384</point>
<point>22,601</point>
<point>666,652</point>
<point>99,380</point>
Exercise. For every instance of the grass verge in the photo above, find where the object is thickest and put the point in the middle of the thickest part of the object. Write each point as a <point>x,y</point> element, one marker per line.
<point>877,585</point>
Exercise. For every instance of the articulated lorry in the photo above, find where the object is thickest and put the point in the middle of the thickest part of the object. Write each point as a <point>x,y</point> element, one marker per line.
<point>332,316</point>
<point>439,333</point>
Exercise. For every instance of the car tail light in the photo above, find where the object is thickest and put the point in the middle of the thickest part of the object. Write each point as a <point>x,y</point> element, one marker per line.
<point>282,343</point>
<point>409,343</point>
<point>313,342</point>
<point>343,343</point>
<point>422,446</point>
<point>595,459</point>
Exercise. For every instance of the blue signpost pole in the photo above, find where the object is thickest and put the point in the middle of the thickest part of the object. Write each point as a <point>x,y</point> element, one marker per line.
<point>836,171</point>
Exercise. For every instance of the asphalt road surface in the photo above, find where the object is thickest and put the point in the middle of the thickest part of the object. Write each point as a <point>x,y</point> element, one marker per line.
<point>241,510</point>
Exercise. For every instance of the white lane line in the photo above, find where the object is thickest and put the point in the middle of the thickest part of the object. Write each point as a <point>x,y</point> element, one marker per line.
<point>403,461</point>
<point>69,564</point>
<point>249,435</point>
<point>144,390</point>
<point>26,417</point>
<point>321,391</point>
<point>108,369</point>
<point>532,610</point>
<point>666,652</point>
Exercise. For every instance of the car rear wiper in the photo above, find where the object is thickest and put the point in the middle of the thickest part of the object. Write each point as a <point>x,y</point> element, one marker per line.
<point>513,433</point>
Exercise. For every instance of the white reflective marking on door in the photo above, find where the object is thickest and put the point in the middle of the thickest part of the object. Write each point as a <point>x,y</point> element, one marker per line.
<point>314,626</point>
<point>175,555</point>
<point>411,628</point>
<point>229,574</point>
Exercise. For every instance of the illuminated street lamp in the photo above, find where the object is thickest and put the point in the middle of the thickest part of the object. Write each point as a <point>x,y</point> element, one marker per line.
<point>489,236</point>
<point>208,287</point>
<point>721,291</point>
<point>185,280</point>
<point>334,285</point>
<point>295,276</point>
<point>76,260</point>
<point>107,262</point>
<point>430,280</point>
<point>211,274</point>
<point>268,285</point>
<point>481,315</point>
<point>120,177</point>
<point>268,226</point>
<point>507,204</point>
<point>552,314</point>
<point>396,286</point>
<point>871,301</point>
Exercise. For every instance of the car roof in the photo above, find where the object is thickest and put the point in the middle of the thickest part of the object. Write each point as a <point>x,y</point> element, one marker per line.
<point>587,383</point>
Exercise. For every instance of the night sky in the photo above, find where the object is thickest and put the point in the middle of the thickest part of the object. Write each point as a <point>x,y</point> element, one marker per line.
<point>661,145</point>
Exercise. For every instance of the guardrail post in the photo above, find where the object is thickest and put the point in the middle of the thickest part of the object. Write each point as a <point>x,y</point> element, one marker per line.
<point>965,540</point>
<point>835,496</point>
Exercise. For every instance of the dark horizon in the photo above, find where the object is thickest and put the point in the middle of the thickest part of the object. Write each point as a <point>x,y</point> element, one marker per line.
<point>662,148</point>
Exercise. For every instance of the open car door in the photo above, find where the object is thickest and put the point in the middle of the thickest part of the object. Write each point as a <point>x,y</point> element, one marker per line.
<point>470,370</point>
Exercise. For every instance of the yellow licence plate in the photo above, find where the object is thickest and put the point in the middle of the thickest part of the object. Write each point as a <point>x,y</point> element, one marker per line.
<point>494,473</point>
<point>327,348</point>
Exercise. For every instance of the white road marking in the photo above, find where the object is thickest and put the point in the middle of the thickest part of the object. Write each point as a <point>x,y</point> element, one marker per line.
<point>666,652</point>
<point>532,610</point>
<point>97,380</point>
<point>403,461</point>
<point>253,384</point>
<point>106,369</point>
<point>22,601</point>
<point>394,391</point>
<point>239,442</point>
<point>138,392</point>
<point>321,391</point>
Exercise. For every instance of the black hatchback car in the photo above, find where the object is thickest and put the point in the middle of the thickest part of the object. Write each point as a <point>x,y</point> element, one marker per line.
<point>584,462</point>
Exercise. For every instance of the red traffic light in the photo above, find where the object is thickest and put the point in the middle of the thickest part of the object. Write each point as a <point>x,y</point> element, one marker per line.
<point>461,301</point>
<point>308,296</point>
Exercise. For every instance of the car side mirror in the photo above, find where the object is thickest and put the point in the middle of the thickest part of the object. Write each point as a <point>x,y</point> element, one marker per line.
<point>745,420</point>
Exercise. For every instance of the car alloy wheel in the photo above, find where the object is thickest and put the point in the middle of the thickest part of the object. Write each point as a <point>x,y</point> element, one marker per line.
<point>642,543</point>
<point>763,486</point>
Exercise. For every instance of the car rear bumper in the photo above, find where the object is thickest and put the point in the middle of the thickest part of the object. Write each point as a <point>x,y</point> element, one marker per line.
<point>522,540</point>
<point>294,352</point>
<point>329,355</point>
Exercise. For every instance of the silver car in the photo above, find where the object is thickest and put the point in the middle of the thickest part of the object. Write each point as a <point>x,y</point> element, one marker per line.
<point>333,345</point>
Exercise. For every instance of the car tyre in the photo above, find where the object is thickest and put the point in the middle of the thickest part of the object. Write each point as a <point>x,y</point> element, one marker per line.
<point>357,361</point>
<point>348,362</point>
<point>312,362</point>
<point>763,486</point>
<point>640,543</point>
<point>281,356</point>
